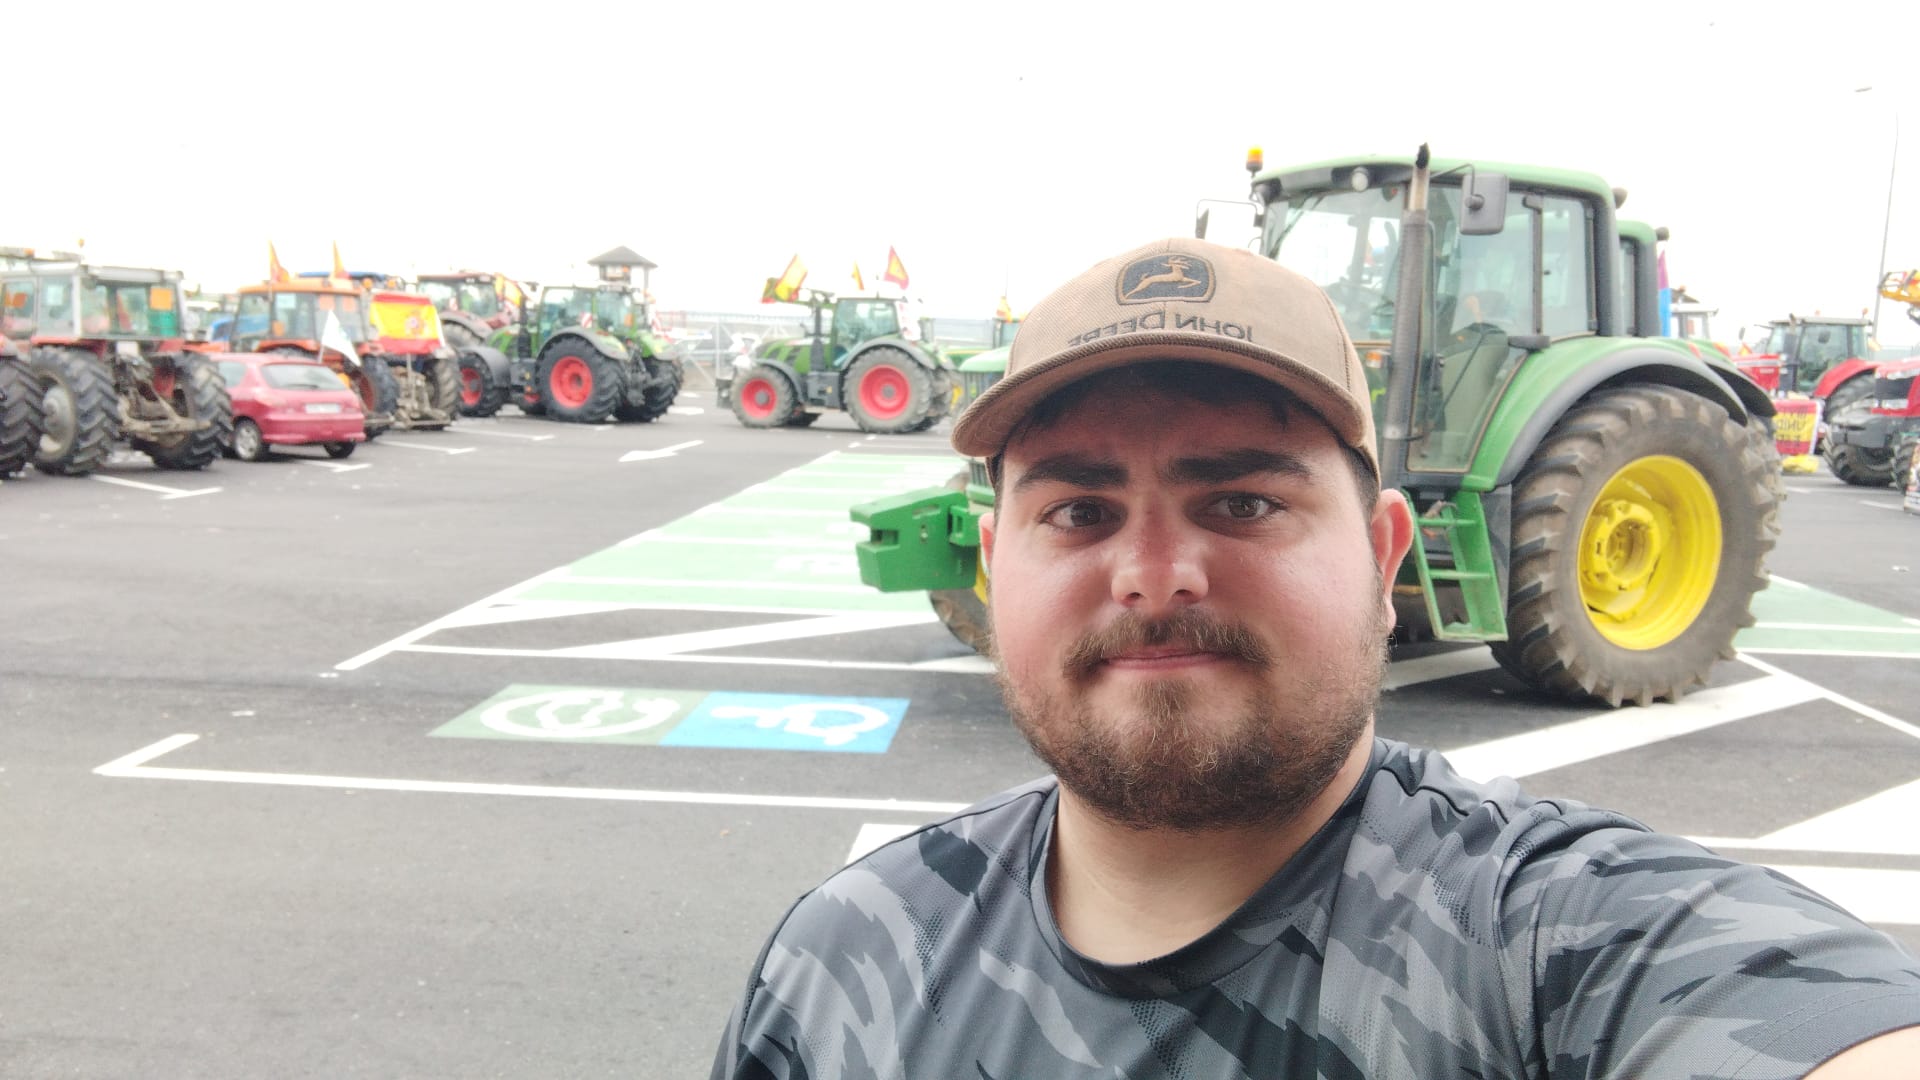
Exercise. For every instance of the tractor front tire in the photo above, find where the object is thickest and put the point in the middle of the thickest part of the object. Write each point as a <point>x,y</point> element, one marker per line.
<point>443,385</point>
<point>578,385</point>
<point>480,393</point>
<point>200,394</point>
<point>763,398</point>
<point>79,412</point>
<point>1641,527</point>
<point>19,414</point>
<point>1849,406</point>
<point>888,392</point>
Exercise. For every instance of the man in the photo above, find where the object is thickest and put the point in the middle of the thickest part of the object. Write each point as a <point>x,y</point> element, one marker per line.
<point>1231,876</point>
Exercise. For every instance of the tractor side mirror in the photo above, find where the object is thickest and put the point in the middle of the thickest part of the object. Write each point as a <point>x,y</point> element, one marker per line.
<point>1483,204</point>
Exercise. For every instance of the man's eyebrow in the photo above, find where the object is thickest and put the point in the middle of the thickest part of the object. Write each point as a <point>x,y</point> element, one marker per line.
<point>1074,471</point>
<point>1235,465</point>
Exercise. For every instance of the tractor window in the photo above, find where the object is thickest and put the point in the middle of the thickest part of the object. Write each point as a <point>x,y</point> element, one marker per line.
<point>251,323</point>
<point>478,298</point>
<point>1566,268</point>
<point>1627,297</point>
<point>17,309</point>
<point>614,312</point>
<point>94,318</point>
<point>293,317</point>
<point>56,307</point>
<point>1346,242</point>
<point>442,293</point>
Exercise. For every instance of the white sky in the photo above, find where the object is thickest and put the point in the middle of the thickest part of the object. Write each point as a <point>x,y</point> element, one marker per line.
<point>998,146</point>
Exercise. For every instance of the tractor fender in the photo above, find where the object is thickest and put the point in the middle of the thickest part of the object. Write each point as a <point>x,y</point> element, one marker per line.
<point>1557,378</point>
<point>605,344</point>
<point>473,324</point>
<point>793,375</point>
<point>1841,373</point>
<point>495,360</point>
<point>920,355</point>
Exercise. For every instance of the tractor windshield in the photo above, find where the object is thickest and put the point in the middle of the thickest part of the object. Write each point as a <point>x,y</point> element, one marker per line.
<point>121,309</point>
<point>616,313</point>
<point>473,297</point>
<point>295,316</point>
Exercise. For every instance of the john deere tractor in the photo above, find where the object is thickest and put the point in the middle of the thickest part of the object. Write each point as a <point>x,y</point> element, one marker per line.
<point>865,358</point>
<point>19,410</point>
<point>1594,502</point>
<point>107,346</point>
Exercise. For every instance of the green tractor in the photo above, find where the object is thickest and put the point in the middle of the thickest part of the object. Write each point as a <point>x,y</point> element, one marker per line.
<point>863,356</point>
<point>109,350</point>
<point>1592,500</point>
<point>480,317</point>
<point>19,410</point>
<point>1004,328</point>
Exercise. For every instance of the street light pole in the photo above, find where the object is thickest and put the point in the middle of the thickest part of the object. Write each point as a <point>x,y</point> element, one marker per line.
<point>1886,220</point>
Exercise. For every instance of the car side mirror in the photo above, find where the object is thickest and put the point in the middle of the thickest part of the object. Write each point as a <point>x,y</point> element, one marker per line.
<point>1483,204</point>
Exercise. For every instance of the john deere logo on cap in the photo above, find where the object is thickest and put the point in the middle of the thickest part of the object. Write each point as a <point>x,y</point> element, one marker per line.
<point>1166,277</point>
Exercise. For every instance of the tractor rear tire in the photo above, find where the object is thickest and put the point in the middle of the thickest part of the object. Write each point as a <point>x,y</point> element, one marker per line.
<point>198,393</point>
<point>664,377</point>
<point>19,414</point>
<point>480,393</point>
<point>80,415</point>
<point>888,392</point>
<point>443,385</point>
<point>379,394</point>
<point>763,398</point>
<point>964,611</point>
<point>1651,501</point>
<point>802,419</point>
<point>577,384</point>
<point>1760,430</point>
<point>1849,406</point>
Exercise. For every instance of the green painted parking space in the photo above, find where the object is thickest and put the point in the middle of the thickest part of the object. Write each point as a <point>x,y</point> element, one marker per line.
<point>1793,618</point>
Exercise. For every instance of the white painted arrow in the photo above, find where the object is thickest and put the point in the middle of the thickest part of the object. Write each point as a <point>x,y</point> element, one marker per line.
<point>435,449</point>
<point>163,491</point>
<point>336,466</point>
<point>665,451</point>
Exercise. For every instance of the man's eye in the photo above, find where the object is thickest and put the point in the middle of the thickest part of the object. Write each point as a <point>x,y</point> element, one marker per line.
<point>1076,515</point>
<point>1246,507</point>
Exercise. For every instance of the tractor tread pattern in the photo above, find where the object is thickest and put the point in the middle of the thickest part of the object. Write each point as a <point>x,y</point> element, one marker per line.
<point>1857,465</point>
<point>492,394</point>
<point>603,395</point>
<point>96,414</point>
<point>920,384</point>
<point>19,414</point>
<point>205,397</point>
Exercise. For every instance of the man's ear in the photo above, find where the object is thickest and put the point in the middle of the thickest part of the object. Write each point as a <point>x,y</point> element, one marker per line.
<point>1390,532</point>
<point>986,539</point>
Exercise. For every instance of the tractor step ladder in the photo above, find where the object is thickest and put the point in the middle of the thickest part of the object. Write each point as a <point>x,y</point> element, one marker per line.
<point>1463,521</point>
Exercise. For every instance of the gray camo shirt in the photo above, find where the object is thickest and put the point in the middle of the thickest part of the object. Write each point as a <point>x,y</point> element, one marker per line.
<point>1435,927</point>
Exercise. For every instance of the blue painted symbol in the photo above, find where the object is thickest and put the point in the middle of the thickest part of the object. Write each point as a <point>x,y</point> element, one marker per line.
<point>791,722</point>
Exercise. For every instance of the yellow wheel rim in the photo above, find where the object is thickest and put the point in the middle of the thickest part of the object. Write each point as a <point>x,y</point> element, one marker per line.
<point>1650,552</point>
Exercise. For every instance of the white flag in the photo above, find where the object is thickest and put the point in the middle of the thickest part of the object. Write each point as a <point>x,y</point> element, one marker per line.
<point>334,336</point>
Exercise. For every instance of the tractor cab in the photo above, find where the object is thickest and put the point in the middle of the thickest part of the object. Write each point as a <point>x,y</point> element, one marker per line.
<point>859,319</point>
<point>73,303</point>
<point>610,309</point>
<point>476,294</point>
<point>292,314</point>
<point>1808,355</point>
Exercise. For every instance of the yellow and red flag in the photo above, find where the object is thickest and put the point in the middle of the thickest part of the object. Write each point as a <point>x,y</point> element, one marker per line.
<point>896,270</point>
<point>1005,312</point>
<point>787,285</point>
<point>859,283</point>
<point>339,268</point>
<point>275,272</point>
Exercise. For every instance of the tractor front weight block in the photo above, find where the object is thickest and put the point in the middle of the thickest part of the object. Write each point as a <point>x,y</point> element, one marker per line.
<point>925,539</point>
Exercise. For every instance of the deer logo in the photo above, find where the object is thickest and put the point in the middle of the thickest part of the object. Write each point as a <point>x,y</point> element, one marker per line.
<point>1166,277</point>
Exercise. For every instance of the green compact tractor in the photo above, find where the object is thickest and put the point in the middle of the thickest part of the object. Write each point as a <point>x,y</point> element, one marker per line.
<point>862,356</point>
<point>19,410</point>
<point>1594,501</point>
<point>107,346</point>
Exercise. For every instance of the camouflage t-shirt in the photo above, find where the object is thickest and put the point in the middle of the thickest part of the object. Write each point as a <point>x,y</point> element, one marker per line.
<point>1435,927</point>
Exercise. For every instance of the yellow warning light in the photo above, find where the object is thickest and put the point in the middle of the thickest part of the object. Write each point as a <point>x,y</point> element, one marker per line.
<point>1255,160</point>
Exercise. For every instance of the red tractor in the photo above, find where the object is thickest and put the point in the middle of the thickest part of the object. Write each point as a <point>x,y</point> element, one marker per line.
<point>1825,358</point>
<point>1875,438</point>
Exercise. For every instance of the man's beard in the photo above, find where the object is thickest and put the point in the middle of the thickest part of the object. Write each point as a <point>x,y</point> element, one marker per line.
<point>1262,764</point>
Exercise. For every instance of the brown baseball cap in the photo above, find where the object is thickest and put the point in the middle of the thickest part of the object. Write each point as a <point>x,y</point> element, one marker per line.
<point>1180,299</point>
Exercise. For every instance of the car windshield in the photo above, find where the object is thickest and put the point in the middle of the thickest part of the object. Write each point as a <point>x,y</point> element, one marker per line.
<point>295,376</point>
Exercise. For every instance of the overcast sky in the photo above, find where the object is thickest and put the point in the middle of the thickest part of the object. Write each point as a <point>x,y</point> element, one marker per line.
<point>998,146</point>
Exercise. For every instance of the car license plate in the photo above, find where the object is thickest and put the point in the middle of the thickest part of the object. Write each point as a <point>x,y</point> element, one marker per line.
<point>323,406</point>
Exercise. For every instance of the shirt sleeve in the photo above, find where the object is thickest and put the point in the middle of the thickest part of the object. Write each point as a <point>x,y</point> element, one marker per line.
<point>1652,956</point>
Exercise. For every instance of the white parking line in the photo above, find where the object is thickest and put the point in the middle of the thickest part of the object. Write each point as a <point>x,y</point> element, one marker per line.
<point>1445,665</point>
<point>1878,505</point>
<point>424,446</point>
<point>135,766</point>
<point>468,430</point>
<point>872,836</point>
<point>336,466</point>
<point>165,493</point>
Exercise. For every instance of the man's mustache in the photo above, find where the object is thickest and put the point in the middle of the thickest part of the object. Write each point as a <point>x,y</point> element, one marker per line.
<point>1190,628</point>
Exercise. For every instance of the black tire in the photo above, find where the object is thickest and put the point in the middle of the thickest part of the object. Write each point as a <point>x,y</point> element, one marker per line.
<point>763,398</point>
<point>887,391</point>
<point>591,384</point>
<point>200,394</point>
<point>248,445</point>
<point>1555,642</point>
<point>379,393</point>
<point>664,385</point>
<point>1849,407</point>
<point>480,393</point>
<point>1760,431</point>
<point>337,450</point>
<point>962,611</point>
<point>802,419</point>
<point>19,414</point>
<point>443,385</point>
<point>942,404</point>
<point>80,416</point>
<point>458,335</point>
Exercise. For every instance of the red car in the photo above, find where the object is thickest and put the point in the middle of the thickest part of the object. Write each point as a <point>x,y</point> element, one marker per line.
<point>281,400</point>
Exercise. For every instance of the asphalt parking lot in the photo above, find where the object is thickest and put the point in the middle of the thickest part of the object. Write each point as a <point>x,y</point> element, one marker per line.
<point>497,751</point>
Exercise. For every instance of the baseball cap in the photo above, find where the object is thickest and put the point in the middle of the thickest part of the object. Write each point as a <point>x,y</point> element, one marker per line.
<point>1180,299</point>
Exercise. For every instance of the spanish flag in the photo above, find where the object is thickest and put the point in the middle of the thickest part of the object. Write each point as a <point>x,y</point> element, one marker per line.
<point>896,270</point>
<point>859,283</point>
<point>787,285</point>
<point>1005,312</point>
<point>276,273</point>
<point>339,268</point>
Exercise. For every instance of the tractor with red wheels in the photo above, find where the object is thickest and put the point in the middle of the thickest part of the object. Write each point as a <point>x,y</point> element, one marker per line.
<point>480,316</point>
<point>107,347</point>
<point>863,356</point>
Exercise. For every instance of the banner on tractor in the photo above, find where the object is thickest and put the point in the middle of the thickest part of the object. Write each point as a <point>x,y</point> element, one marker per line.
<point>896,270</point>
<point>1795,420</point>
<point>406,318</point>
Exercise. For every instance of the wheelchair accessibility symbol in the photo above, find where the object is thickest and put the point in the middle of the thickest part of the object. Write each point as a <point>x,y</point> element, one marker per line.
<point>578,714</point>
<point>590,715</point>
<point>791,722</point>
<point>804,718</point>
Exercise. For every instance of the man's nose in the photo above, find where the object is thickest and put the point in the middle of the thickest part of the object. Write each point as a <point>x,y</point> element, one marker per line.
<point>1159,565</point>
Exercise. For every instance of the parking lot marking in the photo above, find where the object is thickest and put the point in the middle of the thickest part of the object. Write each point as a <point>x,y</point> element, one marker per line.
<point>424,446</point>
<point>686,410</point>
<point>663,452</point>
<point>135,766</point>
<point>166,493</point>
<point>873,836</point>
<point>466,429</point>
<point>336,466</point>
<point>1801,620</point>
<point>1837,698</point>
<point>1445,665</point>
<point>650,648</point>
<point>1878,505</point>
<point>1615,730</point>
<point>957,665</point>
